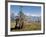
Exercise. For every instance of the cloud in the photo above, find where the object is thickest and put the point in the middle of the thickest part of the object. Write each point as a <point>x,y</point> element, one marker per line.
<point>29,14</point>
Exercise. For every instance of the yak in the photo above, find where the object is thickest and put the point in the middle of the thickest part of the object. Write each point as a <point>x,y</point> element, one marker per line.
<point>19,23</point>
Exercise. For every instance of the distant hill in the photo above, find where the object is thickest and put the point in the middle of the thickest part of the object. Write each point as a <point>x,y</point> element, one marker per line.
<point>33,18</point>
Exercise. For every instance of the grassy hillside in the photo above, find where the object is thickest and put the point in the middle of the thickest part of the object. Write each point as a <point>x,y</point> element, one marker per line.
<point>27,26</point>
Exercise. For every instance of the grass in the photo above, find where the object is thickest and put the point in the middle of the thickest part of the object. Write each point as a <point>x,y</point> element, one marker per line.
<point>27,26</point>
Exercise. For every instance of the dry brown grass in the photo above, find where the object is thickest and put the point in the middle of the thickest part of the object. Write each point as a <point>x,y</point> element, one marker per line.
<point>27,26</point>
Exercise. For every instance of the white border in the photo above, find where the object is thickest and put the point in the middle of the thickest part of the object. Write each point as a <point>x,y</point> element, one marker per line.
<point>24,32</point>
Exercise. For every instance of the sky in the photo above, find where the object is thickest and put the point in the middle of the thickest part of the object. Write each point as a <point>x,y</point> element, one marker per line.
<point>27,10</point>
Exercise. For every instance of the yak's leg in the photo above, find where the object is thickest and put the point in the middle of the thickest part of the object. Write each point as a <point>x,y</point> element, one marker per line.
<point>16,25</point>
<point>22,25</point>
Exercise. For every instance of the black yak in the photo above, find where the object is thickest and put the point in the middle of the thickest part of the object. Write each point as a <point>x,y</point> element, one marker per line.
<point>19,23</point>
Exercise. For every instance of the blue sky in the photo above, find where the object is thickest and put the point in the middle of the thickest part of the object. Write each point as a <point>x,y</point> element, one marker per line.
<point>27,10</point>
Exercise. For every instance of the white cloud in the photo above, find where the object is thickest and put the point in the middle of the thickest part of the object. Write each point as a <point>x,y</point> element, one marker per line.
<point>29,14</point>
<point>35,15</point>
